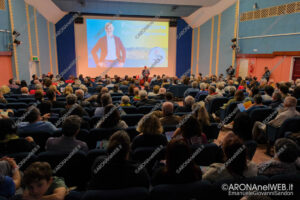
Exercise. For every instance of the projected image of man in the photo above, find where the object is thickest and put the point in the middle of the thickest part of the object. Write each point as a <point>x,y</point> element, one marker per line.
<point>113,52</point>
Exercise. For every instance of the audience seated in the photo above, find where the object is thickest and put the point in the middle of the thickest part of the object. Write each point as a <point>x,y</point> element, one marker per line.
<point>193,89</point>
<point>168,115</point>
<point>257,104</point>
<point>268,93</point>
<point>161,94</point>
<point>187,105</point>
<point>51,95</point>
<point>174,171</point>
<point>150,130</point>
<point>81,99</point>
<point>238,96</point>
<point>72,107</point>
<point>67,142</point>
<point>118,171</point>
<point>286,153</point>
<point>34,122</point>
<point>40,184</point>
<point>2,98</point>
<point>236,164</point>
<point>276,101</point>
<point>125,101</point>
<point>144,101</point>
<point>10,177</point>
<point>290,103</point>
<point>111,118</point>
<point>24,91</point>
<point>252,91</point>
<point>211,94</point>
<point>155,91</point>
<point>191,131</point>
<point>201,114</point>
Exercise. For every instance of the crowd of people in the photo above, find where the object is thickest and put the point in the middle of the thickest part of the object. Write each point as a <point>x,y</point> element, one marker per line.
<point>97,94</point>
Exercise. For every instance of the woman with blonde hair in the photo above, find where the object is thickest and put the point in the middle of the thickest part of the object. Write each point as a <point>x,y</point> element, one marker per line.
<point>5,89</point>
<point>68,90</point>
<point>54,88</point>
<point>201,114</point>
<point>150,130</point>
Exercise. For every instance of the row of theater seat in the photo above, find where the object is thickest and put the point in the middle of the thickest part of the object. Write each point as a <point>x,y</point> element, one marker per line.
<point>197,191</point>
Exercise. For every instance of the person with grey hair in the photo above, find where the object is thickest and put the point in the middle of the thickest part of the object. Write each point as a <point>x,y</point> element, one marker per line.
<point>187,105</point>
<point>220,88</point>
<point>125,101</point>
<point>168,115</point>
<point>105,100</point>
<point>202,91</point>
<point>144,99</point>
<point>193,89</point>
<point>211,94</point>
<point>289,111</point>
<point>80,98</point>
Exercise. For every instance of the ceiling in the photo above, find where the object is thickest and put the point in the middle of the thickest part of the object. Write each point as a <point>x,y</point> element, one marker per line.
<point>165,8</point>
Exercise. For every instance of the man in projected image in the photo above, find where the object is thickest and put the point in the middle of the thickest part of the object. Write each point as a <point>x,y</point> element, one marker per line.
<point>112,53</point>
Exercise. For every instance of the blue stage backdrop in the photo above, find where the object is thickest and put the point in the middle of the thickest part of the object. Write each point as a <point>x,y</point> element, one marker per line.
<point>65,39</point>
<point>184,48</point>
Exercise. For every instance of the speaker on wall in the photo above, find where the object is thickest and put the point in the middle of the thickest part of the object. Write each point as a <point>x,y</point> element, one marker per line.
<point>79,20</point>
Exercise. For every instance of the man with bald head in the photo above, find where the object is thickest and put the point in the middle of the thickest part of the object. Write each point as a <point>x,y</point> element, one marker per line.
<point>289,111</point>
<point>168,115</point>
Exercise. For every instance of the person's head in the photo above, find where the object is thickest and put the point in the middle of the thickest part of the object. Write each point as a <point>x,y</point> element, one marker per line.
<point>33,115</point>
<point>38,95</point>
<point>34,77</point>
<point>235,152</point>
<point>125,100</point>
<point>203,86</point>
<point>47,82</point>
<point>284,89</point>
<point>220,85</point>
<point>109,29</point>
<point>269,90</point>
<point>83,88</point>
<point>286,150</point>
<point>24,90</point>
<point>38,178</point>
<point>201,113</point>
<point>211,89</point>
<point>136,91</point>
<point>106,99</point>
<point>177,153</point>
<point>254,91</point>
<point>113,116</point>
<point>242,126</point>
<point>11,81</point>
<point>290,102</point>
<point>191,127</point>
<point>167,108</point>
<point>51,95</point>
<point>5,89</point>
<point>119,142</point>
<point>194,84</point>
<point>169,96</point>
<point>23,83</point>
<point>162,91</point>
<point>156,89</point>
<point>104,90</point>
<point>71,99</point>
<point>68,90</point>
<point>239,95</point>
<point>8,127</point>
<point>143,94</point>
<point>257,99</point>
<point>149,125</point>
<point>145,67</point>
<point>189,101</point>
<point>71,126</point>
<point>116,88</point>
<point>131,90</point>
<point>276,96</point>
<point>80,94</point>
<point>266,68</point>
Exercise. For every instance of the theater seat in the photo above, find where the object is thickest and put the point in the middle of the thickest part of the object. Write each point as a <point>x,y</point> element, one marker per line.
<point>23,159</point>
<point>136,193</point>
<point>130,109</point>
<point>196,190</point>
<point>132,119</point>
<point>215,104</point>
<point>210,153</point>
<point>74,169</point>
